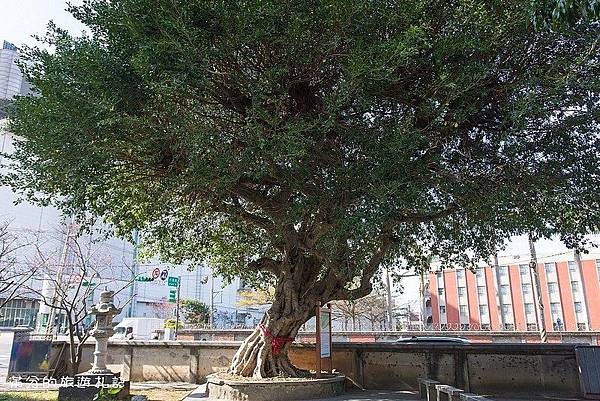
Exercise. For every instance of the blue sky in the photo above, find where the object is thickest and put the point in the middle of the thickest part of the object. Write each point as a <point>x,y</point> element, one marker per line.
<point>19,19</point>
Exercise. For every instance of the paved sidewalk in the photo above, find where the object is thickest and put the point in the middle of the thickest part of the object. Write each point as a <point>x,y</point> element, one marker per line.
<point>371,395</point>
<point>134,386</point>
<point>163,386</point>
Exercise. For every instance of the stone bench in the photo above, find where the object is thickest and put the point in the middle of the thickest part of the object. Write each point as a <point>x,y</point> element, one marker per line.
<point>427,390</point>
<point>448,393</point>
<point>472,397</point>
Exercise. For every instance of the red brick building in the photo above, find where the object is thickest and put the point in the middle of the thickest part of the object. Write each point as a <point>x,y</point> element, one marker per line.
<point>504,298</point>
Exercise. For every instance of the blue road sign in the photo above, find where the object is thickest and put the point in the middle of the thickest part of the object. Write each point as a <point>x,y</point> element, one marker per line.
<point>164,274</point>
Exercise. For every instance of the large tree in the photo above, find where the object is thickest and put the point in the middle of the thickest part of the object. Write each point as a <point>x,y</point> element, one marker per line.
<point>305,143</point>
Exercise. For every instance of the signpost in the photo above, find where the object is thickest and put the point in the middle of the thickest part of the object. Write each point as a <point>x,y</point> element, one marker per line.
<point>174,297</point>
<point>323,349</point>
<point>164,274</point>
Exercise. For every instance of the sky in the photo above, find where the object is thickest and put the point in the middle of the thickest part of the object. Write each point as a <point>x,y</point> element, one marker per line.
<point>19,19</point>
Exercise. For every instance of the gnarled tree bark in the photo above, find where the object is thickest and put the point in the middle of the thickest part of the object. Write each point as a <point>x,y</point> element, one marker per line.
<point>303,280</point>
<point>265,352</point>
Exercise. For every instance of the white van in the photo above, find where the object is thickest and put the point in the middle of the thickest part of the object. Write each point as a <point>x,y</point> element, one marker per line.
<point>137,328</point>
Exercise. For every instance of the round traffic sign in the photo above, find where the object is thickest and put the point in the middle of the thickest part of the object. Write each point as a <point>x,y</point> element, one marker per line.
<point>155,273</point>
<point>164,274</point>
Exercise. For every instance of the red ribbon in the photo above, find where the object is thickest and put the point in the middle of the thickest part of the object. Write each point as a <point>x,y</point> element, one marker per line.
<point>276,342</point>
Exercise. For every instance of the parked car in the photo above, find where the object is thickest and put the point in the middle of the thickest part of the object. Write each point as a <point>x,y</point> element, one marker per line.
<point>433,340</point>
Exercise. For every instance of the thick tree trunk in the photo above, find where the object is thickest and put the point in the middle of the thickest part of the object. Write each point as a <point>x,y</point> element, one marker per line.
<point>265,352</point>
<point>301,283</point>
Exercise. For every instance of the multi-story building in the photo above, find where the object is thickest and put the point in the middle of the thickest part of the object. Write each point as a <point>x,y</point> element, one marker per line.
<point>12,81</point>
<point>504,295</point>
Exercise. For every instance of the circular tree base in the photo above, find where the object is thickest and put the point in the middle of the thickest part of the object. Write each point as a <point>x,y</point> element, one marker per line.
<point>277,389</point>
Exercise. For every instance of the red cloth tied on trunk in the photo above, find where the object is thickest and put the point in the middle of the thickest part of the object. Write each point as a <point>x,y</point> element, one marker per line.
<point>276,342</point>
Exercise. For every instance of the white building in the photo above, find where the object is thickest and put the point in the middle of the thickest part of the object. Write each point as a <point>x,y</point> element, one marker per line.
<point>11,78</point>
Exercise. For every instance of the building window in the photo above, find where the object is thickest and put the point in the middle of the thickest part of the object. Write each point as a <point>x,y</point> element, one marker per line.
<point>462,291</point>
<point>572,267</point>
<point>532,327</point>
<point>463,310</point>
<point>549,268</point>
<point>552,288</point>
<point>502,270</point>
<point>465,327</point>
<point>523,270</point>
<point>575,286</point>
<point>483,310</point>
<point>506,309</point>
<point>479,272</point>
<point>481,290</point>
<point>504,289</point>
<point>529,309</point>
<point>581,327</point>
<point>555,308</point>
<point>598,267</point>
<point>460,274</point>
<point>440,292</point>
<point>19,312</point>
<point>442,309</point>
<point>509,327</point>
<point>438,274</point>
<point>578,307</point>
<point>485,326</point>
<point>526,288</point>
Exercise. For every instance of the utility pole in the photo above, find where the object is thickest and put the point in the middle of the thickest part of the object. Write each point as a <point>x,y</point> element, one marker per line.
<point>211,321</point>
<point>177,307</point>
<point>389,300</point>
<point>499,296</point>
<point>538,291</point>
<point>422,307</point>
<point>134,273</point>
<point>59,276</point>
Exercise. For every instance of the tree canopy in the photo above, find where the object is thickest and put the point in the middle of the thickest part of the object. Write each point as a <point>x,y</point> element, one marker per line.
<point>228,130</point>
<point>194,311</point>
<point>311,141</point>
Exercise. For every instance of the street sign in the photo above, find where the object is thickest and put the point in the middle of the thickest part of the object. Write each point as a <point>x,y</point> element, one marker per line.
<point>173,281</point>
<point>172,294</point>
<point>155,273</point>
<point>164,275</point>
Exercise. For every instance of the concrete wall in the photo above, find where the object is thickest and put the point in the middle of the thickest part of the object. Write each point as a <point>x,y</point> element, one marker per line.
<point>495,369</point>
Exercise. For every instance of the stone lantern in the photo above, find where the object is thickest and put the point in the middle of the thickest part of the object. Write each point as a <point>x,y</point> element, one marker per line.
<point>104,311</point>
<point>88,384</point>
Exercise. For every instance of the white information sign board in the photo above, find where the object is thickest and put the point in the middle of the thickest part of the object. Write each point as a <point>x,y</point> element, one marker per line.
<point>325,334</point>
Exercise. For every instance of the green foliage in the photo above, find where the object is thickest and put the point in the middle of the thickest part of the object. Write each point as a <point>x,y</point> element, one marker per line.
<point>29,396</point>
<point>564,14</point>
<point>194,312</point>
<point>4,108</point>
<point>107,394</point>
<point>170,324</point>
<point>343,132</point>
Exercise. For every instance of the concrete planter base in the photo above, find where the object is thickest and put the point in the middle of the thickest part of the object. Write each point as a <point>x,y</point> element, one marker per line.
<point>273,390</point>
